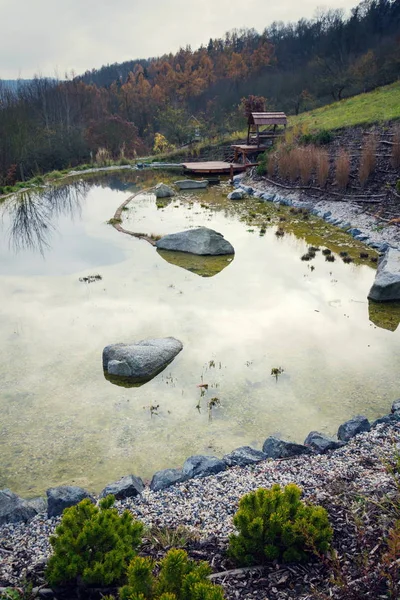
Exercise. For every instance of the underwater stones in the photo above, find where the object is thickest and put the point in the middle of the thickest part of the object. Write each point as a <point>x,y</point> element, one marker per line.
<point>164,479</point>
<point>14,509</point>
<point>191,184</point>
<point>320,443</point>
<point>201,241</point>
<point>386,286</point>
<point>351,428</point>
<point>275,448</point>
<point>140,361</point>
<point>126,487</point>
<point>245,455</point>
<point>59,498</point>
<point>164,191</point>
<point>237,195</point>
<point>202,466</point>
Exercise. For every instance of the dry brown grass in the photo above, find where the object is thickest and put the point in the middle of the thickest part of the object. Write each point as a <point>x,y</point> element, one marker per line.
<point>395,159</point>
<point>284,162</point>
<point>342,169</point>
<point>103,157</point>
<point>321,157</point>
<point>368,159</point>
<point>306,160</point>
<point>272,164</point>
<point>294,160</point>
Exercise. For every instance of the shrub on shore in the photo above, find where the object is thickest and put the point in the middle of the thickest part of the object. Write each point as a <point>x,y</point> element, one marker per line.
<point>275,524</point>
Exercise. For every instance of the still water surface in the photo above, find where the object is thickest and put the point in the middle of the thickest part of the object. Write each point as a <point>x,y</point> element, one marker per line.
<point>62,422</point>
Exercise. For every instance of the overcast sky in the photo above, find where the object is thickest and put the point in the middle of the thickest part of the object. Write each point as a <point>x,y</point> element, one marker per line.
<point>51,37</point>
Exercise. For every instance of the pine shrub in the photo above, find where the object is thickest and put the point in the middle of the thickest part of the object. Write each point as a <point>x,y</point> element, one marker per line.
<point>179,578</point>
<point>93,544</point>
<point>275,524</point>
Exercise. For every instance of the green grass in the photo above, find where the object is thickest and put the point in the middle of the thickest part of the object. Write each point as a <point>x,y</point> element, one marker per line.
<point>383,104</point>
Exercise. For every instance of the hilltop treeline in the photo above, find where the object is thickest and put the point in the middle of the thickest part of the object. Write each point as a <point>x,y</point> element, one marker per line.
<point>47,124</point>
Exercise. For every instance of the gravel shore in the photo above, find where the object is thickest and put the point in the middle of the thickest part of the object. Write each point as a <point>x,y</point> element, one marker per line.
<point>206,507</point>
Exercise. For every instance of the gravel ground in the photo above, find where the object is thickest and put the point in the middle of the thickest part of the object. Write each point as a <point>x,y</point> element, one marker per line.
<point>342,481</point>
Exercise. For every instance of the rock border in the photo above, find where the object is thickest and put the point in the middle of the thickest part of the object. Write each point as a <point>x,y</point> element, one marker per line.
<point>194,467</point>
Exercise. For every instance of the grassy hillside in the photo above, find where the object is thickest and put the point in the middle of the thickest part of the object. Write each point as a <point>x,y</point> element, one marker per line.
<point>383,104</point>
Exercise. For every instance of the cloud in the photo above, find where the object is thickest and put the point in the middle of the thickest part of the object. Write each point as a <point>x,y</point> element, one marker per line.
<point>49,36</point>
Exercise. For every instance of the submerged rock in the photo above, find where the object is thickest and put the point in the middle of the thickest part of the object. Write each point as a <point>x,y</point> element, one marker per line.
<point>202,241</point>
<point>245,455</point>
<point>14,509</point>
<point>59,498</point>
<point>396,406</point>
<point>320,443</point>
<point>386,286</point>
<point>202,466</point>
<point>275,448</point>
<point>126,487</point>
<point>351,428</point>
<point>191,184</point>
<point>164,479</point>
<point>141,361</point>
<point>385,315</point>
<point>164,191</point>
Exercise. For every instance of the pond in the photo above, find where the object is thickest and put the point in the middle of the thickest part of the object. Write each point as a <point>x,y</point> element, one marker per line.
<point>63,422</point>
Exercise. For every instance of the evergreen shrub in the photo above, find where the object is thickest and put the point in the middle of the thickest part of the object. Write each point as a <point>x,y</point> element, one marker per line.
<point>275,524</point>
<point>93,545</point>
<point>179,578</point>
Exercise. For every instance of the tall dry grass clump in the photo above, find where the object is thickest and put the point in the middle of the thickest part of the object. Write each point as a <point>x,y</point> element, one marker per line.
<point>395,159</point>
<point>272,164</point>
<point>305,158</point>
<point>321,157</point>
<point>368,159</point>
<point>294,164</point>
<point>342,169</point>
<point>283,157</point>
<point>103,157</point>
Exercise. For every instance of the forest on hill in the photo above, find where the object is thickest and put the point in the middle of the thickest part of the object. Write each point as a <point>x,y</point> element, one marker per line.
<point>47,124</point>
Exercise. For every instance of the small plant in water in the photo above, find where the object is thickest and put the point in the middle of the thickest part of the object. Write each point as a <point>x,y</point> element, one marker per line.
<point>343,254</point>
<point>314,249</point>
<point>280,232</point>
<point>276,371</point>
<point>347,259</point>
<point>213,402</point>
<point>330,258</point>
<point>326,251</point>
<point>364,255</point>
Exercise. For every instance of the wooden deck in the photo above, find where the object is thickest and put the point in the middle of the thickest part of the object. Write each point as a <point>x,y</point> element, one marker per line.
<point>213,167</point>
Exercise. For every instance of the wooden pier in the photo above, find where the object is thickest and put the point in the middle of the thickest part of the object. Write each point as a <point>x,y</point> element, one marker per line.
<point>220,167</point>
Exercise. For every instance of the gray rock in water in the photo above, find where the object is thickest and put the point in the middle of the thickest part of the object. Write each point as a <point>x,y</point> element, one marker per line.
<point>202,241</point>
<point>320,443</point>
<point>164,191</point>
<point>202,466</point>
<point>275,448</point>
<point>140,361</point>
<point>126,487</point>
<point>387,280</point>
<point>348,430</point>
<point>387,420</point>
<point>59,498</point>
<point>166,478</point>
<point>14,509</point>
<point>396,406</point>
<point>245,455</point>
<point>237,195</point>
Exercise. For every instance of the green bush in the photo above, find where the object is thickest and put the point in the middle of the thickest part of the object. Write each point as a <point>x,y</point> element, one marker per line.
<point>179,578</point>
<point>319,138</point>
<point>277,525</point>
<point>94,544</point>
<point>262,163</point>
<point>398,186</point>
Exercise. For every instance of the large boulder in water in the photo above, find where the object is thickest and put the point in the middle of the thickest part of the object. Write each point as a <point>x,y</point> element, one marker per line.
<point>164,191</point>
<point>386,286</point>
<point>141,361</point>
<point>202,241</point>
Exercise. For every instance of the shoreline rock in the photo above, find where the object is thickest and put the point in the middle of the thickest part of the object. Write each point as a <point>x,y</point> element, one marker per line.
<point>201,241</point>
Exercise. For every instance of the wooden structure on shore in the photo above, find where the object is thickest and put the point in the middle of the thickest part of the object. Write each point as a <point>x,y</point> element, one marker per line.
<point>263,126</point>
<point>216,166</point>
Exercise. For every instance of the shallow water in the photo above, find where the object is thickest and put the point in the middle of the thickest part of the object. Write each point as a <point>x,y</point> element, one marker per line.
<point>64,423</point>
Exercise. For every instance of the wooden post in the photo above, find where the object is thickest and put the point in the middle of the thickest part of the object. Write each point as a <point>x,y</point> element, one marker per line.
<point>231,172</point>
<point>248,134</point>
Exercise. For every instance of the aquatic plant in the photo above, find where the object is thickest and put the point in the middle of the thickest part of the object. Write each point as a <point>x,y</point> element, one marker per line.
<point>276,371</point>
<point>330,258</point>
<point>326,251</point>
<point>275,524</point>
<point>179,578</point>
<point>314,249</point>
<point>307,256</point>
<point>347,259</point>
<point>343,253</point>
<point>280,232</point>
<point>93,544</point>
<point>364,255</point>
<point>114,221</point>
